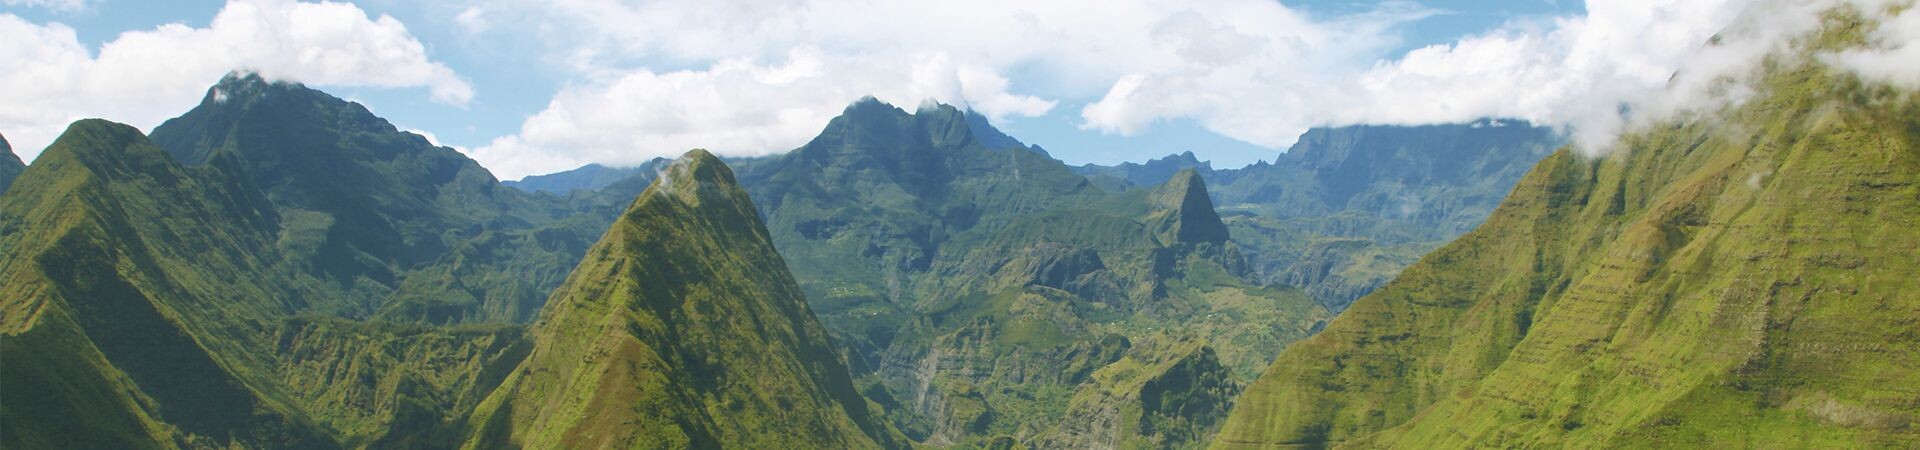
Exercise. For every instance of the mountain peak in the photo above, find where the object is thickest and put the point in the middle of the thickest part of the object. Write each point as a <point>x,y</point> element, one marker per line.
<point>1183,211</point>
<point>684,307</point>
<point>242,87</point>
<point>699,176</point>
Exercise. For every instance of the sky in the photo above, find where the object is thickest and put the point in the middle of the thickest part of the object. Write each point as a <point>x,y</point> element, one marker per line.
<point>538,86</point>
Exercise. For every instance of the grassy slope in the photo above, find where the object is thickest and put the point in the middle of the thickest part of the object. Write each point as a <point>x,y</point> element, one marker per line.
<point>134,288</point>
<point>1745,281</point>
<point>681,329</point>
<point>151,301</point>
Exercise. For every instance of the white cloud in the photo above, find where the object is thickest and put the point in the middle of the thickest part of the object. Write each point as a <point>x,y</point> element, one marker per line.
<point>144,77</point>
<point>473,20</point>
<point>1253,70</point>
<point>734,107</point>
<point>1893,52</point>
<point>741,90</point>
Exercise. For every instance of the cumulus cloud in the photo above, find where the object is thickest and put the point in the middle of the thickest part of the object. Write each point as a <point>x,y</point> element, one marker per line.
<point>737,107</point>
<point>144,77</point>
<point>741,89</point>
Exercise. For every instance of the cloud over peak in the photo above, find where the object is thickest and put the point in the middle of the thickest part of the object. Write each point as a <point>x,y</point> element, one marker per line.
<point>144,77</point>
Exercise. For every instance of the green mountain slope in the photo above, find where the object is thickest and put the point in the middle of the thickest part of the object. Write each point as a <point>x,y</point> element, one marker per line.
<point>147,305</point>
<point>118,263</point>
<point>681,329</point>
<point>10,165</point>
<point>1167,394</point>
<point>1740,281</point>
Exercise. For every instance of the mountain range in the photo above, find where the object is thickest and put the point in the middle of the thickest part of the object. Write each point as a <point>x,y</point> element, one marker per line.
<point>281,268</point>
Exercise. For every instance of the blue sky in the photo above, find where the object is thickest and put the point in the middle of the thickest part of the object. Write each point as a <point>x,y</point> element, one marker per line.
<point>522,60</point>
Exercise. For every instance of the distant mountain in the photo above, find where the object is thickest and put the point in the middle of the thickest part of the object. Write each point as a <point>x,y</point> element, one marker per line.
<point>1744,279</point>
<point>591,177</point>
<point>10,165</point>
<point>1347,208</point>
<point>681,329</point>
<point>1133,175</point>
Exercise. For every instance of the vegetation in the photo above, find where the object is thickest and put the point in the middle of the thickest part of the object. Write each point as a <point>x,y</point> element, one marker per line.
<point>681,329</point>
<point>153,304</point>
<point>1742,279</point>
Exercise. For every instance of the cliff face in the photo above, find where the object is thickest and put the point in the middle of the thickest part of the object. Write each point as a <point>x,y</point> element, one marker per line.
<point>1744,279</point>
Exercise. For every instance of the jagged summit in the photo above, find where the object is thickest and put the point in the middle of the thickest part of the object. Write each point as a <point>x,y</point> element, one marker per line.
<point>950,124</point>
<point>1184,213</point>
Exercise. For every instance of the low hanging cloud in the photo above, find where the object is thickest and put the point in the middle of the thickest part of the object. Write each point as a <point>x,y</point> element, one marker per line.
<point>1892,55</point>
<point>145,77</point>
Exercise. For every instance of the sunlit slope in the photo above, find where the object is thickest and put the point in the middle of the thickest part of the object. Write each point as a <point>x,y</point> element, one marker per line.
<point>1744,280</point>
<point>681,329</point>
<point>133,287</point>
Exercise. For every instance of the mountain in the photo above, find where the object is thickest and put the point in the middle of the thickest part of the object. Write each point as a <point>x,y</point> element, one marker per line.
<point>1183,211</point>
<point>118,259</point>
<point>1742,278</point>
<point>367,206</point>
<point>149,307</point>
<point>1347,208</point>
<point>589,177</point>
<point>10,165</point>
<point>681,329</point>
<point>960,276</point>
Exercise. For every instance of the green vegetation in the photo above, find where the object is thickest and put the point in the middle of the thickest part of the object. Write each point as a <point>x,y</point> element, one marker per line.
<point>1165,394</point>
<point>961,276</point>
<point>1739,280</point>
<point>681,329</point>
<point>152,304</point>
